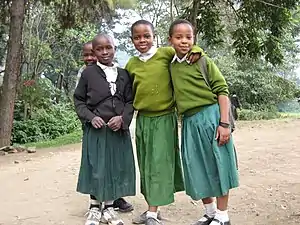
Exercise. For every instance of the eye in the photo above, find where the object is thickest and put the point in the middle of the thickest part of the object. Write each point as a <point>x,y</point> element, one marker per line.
<point>136,38</point>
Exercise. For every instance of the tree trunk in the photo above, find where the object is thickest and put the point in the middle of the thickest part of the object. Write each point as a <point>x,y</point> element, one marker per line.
<point>12,71</point>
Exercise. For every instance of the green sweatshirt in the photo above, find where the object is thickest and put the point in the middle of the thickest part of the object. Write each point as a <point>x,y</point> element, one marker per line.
<point>191,91</point>
<point>152,86</point>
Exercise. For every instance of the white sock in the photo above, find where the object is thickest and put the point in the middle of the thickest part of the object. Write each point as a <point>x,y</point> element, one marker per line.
<point>222,216</point>
<point>211,209</point>
<point>151,214</point>
<point>109,203</point>
<point>94,202</point>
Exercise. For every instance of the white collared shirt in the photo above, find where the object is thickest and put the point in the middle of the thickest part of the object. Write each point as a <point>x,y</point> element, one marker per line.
<point>148,55</point>
<point>111,73</point>
<point>176,58</point>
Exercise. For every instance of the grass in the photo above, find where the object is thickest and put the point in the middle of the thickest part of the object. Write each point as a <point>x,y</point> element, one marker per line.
<point>72,138</point>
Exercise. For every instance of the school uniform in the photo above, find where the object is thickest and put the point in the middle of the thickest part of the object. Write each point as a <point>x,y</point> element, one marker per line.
<point>107,168</point>
<point>156,126</point>
<point>209,170</point>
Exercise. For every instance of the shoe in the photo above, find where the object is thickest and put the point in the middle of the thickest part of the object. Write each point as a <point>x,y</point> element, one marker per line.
<point>93,217</point>
<point>110,216</point>
<point>122,205</point>
<point>222,223</point>
<point>152,221</point>
<point>205,220</point>
<point>141,219</point>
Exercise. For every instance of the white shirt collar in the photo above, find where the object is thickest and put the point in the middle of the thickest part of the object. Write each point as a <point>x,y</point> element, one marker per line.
<point>148,55</point>
<point>176,58</point>
<point>103,67</point>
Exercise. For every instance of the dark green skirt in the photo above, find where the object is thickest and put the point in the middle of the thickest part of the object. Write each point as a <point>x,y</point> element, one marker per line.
<point>159,158</point>
<point>210,170</point>
<point>107,168</point>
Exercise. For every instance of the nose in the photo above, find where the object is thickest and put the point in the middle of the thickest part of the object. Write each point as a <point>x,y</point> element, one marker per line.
<point>184,40</point>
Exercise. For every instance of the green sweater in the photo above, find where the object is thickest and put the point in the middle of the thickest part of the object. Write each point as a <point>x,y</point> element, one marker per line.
<point>152,86</point>
<point>191,91</point>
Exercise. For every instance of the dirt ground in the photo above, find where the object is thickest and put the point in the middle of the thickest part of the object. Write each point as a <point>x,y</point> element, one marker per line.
<point>40,188</point>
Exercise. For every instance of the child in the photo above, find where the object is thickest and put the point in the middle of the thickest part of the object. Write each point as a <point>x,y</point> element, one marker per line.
<point>156,124</point>
<point>89,58</point>
<point>103,98</point>
<point>207,149</point>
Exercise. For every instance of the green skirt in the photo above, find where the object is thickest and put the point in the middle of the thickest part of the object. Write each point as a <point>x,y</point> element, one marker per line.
<point>159,158</point>
<point>210,170</point>
<point>107,168</point>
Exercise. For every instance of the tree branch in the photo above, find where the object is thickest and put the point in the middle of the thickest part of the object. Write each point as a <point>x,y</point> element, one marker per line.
<point>270,4</point>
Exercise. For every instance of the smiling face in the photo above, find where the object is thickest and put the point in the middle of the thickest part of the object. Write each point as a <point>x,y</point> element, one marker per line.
<point>88,55</point>
<point>142,37</point>
<point>104,49</point>
<point>182,38</point>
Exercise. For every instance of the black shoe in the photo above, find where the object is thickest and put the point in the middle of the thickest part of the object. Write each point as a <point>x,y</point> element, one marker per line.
<point>222,223</point>
<point>121,205</point>
<point>207,222</point>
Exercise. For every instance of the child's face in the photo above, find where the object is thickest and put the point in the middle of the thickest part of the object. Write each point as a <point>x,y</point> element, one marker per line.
<point>104,50</point>
<point>182,39</point>
<point>142,37</point>
<point>88,55</point>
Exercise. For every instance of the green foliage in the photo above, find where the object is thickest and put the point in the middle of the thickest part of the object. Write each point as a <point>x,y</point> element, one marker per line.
<point>256,28</point>
<point>45,124</point>
<point>71,138</point>
<point>247,114</point>
<point>258,86</point>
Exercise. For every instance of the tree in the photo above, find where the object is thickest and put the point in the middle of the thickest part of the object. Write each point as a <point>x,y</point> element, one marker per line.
<point>259,26</point>
<point>12,70</point>
<point>70,13</point>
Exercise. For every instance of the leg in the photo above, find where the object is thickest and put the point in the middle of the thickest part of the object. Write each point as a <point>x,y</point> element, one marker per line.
<point>222,213</point>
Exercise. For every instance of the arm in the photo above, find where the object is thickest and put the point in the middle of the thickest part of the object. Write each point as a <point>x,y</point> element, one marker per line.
<point>80,100</point>
<point>128,108</point>
<point>224,108</point>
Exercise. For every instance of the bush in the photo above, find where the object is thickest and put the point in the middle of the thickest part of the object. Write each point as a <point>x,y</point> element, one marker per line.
<point>246,114</point>
<point>45,124</point>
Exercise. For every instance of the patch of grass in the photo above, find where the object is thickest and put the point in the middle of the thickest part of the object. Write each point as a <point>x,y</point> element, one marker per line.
<point>290,115</point>
<point>72,138</point>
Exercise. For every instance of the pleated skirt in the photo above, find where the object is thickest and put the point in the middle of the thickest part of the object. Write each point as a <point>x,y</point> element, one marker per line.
<point>210,170</point>
<point>159,158</point>
<point>107,168</point>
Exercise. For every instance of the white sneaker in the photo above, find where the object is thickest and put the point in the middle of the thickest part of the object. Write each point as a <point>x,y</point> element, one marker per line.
<point>110,216</point>
<point>93,217</point>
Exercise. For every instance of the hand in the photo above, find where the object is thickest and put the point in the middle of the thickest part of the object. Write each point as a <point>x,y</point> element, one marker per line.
<point>98,122</point>
<point>115,123</point>
<point>223,135</point>
<point>194,57</point>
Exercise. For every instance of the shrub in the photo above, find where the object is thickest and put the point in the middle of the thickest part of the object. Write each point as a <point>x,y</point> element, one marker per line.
<point>45,124</point>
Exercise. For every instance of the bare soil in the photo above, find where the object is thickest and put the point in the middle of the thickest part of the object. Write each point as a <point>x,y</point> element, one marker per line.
<point>40,188</point>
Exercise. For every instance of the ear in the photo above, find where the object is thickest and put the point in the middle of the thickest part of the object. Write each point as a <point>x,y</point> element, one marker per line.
<point>169,40</point>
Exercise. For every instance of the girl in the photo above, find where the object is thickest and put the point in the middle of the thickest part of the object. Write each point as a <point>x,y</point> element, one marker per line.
<point>207,149</point>
<point>156,124</point>
<point>103,99</point>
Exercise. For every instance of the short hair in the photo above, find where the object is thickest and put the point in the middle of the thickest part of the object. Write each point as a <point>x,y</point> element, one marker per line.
<point>87,43</point>
<point>177,22</point>
<point>143,22</point>
<point>102,35</point>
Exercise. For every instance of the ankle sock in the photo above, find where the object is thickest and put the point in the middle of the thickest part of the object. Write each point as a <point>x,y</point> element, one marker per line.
<point>151,214</point>
<point>222,216</point>
<point>210,209</point>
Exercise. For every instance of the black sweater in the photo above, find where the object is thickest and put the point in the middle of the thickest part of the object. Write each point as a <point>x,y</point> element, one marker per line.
<point>92,97</point>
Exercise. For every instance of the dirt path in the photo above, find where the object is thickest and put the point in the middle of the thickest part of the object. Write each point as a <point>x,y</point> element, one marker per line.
<point>40,188</point>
